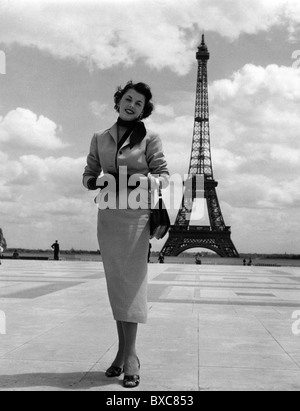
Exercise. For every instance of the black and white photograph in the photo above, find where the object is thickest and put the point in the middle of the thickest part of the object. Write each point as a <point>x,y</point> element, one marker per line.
<point>149,198</point>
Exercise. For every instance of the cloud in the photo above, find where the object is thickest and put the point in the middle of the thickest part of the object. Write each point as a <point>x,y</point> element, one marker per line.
<point>163,33</point>
<point>165,110</point>
<point>98,109</point>
<point>256,80</point>
<point>41,196</point>
<point>51,176</point>
<point>176,134</point>
<point>255,137</point>
<point>254,131</point>
<point>22,128</point>
<point>263,231</point>
<point>8,168</point>
<point>48,199</point>
<point>254,128</point>
<point>285,155</point>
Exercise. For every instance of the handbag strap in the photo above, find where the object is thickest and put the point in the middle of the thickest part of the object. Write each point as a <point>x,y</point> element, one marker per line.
<point>160,190</point>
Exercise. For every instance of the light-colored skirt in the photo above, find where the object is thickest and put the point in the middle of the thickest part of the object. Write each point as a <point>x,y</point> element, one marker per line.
<point>124,237</point>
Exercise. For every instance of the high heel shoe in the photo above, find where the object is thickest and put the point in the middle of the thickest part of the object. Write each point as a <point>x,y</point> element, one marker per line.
<point>132,381</point>
<point>114,372</point>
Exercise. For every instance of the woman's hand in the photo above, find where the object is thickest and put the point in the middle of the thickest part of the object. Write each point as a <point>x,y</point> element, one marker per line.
<point>154,182</point>
<point>104,179</point>
<point>92,184</point>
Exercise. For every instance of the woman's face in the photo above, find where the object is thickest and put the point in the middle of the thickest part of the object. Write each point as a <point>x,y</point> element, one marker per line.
<point>132,105</point>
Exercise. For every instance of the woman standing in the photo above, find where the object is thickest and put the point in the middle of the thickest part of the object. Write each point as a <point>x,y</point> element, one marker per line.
<point>124,232</point>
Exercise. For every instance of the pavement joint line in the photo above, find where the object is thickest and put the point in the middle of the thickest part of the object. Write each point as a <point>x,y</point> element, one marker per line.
<point>235,367</point>
<point>265,287</point>
<point>43,333</point>
<point>96,363</point>
<point>51,280</point>
<point>231,302</point>
<point>234,309</point>
<point>275,339</point>
<point>43,361</point>
<point>40,291</point>
<point>80,349</point>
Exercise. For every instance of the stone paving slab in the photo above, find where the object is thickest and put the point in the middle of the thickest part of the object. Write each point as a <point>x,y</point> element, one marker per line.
<point>210,328</point>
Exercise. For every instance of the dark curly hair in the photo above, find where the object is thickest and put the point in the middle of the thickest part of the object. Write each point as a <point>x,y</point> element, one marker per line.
<point>141,88</point>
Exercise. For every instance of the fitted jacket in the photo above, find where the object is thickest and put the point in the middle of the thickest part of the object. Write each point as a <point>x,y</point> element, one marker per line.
<point>144,158</point>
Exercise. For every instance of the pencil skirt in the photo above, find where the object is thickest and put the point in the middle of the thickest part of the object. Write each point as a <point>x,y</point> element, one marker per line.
<point>124,237</point>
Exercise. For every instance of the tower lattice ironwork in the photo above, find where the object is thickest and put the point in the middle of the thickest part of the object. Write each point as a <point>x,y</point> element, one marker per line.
<point>216,236</point>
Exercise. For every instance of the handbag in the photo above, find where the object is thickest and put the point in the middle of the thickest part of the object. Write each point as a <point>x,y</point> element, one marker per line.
<point>159,219</point>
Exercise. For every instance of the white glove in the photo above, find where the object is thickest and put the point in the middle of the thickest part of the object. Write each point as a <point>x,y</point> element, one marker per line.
<point>154,182</point>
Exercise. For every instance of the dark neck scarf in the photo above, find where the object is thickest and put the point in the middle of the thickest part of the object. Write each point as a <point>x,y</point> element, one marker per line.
<point>135,129</point>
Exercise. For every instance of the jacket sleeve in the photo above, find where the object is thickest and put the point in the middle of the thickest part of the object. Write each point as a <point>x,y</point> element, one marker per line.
<point>156,160</point>
<point>93,168</point>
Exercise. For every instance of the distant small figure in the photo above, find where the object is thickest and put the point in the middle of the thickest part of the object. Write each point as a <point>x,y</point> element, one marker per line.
<point>149,254</point>
<point>3,244</point>
<point>250,263</point>
<point>161,258</point>
<point>198,259</point>
<point>16,255</point>
<point>55,247</point>
<point>245,262</point>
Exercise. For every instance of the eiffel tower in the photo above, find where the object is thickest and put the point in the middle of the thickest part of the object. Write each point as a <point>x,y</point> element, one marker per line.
<point>216,236</point>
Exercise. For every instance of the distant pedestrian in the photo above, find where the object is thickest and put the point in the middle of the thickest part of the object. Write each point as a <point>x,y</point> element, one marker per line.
<point>149,254</point>
<point>245,262</point>
<point>3,244</point>
<point>55,247</point>
<point>250,263</point>
<point>198,259</point>
<point>161,258</point>
<point>16,255</point>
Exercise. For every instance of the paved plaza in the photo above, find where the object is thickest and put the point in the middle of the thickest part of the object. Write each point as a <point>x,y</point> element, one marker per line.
<point>210,328</point>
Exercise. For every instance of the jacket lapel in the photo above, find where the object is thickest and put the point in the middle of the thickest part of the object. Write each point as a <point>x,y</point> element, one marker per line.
<point>113,131</point>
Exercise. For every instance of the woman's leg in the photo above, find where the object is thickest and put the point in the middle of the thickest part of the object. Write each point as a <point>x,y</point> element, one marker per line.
<point>119,361</point>
<point>131,361</point>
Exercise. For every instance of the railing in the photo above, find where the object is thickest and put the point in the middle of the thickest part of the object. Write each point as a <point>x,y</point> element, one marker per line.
<point>200,228</point>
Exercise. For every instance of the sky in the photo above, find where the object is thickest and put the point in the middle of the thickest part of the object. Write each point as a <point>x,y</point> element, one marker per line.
<point>60,64</point>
